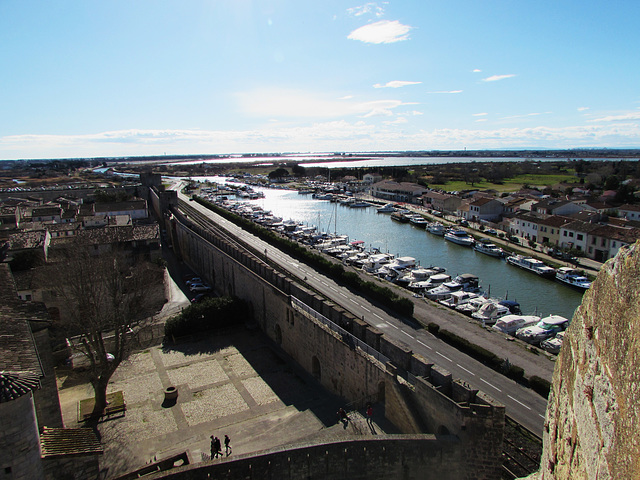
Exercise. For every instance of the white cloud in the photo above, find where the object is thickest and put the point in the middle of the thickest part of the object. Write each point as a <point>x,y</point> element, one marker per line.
<point>616,118</point>
<point>582,109</point>
<point>495,78</point>
<point>527,115</point>
<point>481,120</point>
<point>411,113</point>
<point>476,70</point>
<point>384,31</point>
<point>447,91</point>
<point>479,114</point>
<point>395,84</point>
<point>338,135</point>
<point>397,121</point>
<point>367,8</point>
<point>346,97</point>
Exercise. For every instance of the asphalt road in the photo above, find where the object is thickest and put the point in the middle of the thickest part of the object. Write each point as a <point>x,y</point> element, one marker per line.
<point>522,404</point>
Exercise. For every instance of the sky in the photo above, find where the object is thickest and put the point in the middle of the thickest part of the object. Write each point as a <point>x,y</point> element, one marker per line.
<point>109,78</point>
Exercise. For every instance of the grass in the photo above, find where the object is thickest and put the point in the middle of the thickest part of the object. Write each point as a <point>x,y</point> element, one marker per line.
<point>513,184</point>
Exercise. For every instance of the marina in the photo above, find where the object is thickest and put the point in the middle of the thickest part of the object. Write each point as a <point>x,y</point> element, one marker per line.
<point>535,294</point>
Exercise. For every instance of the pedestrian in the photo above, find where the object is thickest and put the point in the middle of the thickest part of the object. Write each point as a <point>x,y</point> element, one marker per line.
<point>343,417</point>
<point>227,445</point>
<point>369,415</point>
<point>213,447</point>
<point>218,447</point>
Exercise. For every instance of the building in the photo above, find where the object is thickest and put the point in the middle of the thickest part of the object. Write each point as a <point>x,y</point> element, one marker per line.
<point>485,209</point>
<point>442,202</point>
<point>554,206</point>
<point>630,212</point>
<point>397,192</point>
<point>549,229</point>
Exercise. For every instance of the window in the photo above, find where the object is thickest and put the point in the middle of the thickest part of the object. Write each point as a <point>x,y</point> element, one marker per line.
<point>579,236</point>
<point>571,234</point>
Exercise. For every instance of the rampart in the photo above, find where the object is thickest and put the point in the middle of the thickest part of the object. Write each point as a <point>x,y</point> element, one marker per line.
<point>352,359</point>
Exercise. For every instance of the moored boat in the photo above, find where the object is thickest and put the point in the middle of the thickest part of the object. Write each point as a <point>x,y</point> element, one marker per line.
<point>573,278</point>
<point>533,265</point>
<point>488,248</point>
<point>436,228</point>
<point>459,237</point>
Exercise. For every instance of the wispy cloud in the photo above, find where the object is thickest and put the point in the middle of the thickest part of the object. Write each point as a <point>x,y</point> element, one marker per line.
<point>535,114</point>
<point>481,120</point>
<point>495,78</point>
<point>617,118</point>
<point>479,114</point>
<point>476,70</point>
<point>447,91</point>
<point>360,135</point>
<point>384,31</point>
<point>397,121</point>
<point>411,113</point>
<point>582,109</point>
<point>368,8</point>
<point>395,84</point>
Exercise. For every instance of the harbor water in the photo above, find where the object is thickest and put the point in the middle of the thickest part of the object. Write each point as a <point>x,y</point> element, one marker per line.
<point>377,230</point>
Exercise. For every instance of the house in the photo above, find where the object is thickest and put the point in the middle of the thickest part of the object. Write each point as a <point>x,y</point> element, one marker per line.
<point>488,209</point>
<point>397,191</point>
<point>371,178</point>
<point>605,241</point>
<point>136,209</point>
<point>33,441</point>
<point>549,229</point>
<point>442,202</point>
<point>526,225</point>
<point>517,204</point>
<point>575,234</point>
<point>554,206</point>
<point>630,212</point>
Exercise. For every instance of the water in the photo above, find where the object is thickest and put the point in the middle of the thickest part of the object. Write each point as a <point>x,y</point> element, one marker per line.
<point>402,239</point>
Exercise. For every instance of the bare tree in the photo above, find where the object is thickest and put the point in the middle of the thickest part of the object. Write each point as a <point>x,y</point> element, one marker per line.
<point>105,300</point>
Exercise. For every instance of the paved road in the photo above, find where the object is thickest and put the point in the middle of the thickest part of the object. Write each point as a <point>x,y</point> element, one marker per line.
<point>522,404</point>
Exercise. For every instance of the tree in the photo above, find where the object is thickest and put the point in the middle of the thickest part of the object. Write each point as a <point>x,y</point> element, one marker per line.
<point>105,298</point>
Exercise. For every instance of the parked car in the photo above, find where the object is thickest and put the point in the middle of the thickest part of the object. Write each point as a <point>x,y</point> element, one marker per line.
<point>193,280</point>
<point>200,287</point>
<point>491,231</point>
<point>199,297</point>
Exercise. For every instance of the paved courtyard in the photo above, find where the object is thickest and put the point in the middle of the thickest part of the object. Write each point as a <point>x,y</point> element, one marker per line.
<point>237,384</point>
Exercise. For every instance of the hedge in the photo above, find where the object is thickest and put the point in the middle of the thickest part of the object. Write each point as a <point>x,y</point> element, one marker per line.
<point>540,385</point>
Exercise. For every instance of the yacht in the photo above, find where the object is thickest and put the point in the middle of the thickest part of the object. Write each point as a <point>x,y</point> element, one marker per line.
<point>490,312</point>
<point>465,282</point>
<point>545,328</point>
<point>573,278</point>
<point>418,220</point>
<point>359,204</point>
<point>400,216</point>
<point>459,237</point>
<point>488,248</point>
<point>432,282</point>
<point>436,228</point>
<point>418,274</point>
<point>533,265</point>
<point>388,208</point>
<point>509,324</point>
<point>458,299</point>
<point>473,305</point>
<point>376,261</point>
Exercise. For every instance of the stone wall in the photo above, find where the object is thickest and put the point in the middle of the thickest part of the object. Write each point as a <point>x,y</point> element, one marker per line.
<point>593,414</point>
<point>19,440</point>
<point>46,398</point>
<point>399,456</point>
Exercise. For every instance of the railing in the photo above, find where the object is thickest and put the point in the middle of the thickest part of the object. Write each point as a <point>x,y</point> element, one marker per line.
<point>347,337</point>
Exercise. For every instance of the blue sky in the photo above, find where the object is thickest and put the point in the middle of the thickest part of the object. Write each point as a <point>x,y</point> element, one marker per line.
<point>111,78</point>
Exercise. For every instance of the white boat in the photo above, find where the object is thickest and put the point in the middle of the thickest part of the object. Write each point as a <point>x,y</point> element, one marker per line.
<point>459,237</point>
<point>418,274</point>
<point>432,282</point>
<point>465,282</point>
<point>459,298</point>
<point>436,228</point>
<point>376,261</point>
<point>553,345</point>
<point>488,248</point>
<point>359,204</point>
<point>510,324</point>
<point>388,208</point>
<point>573,278</point>
<point>473,305</point>
<point>490,312</point>
<point>418,220</point>
<point>401,216</point>
<point>533,265</point>
<point>545,328</point>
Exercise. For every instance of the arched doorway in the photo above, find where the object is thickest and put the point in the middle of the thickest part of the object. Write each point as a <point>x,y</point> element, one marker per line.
<point>315,368</point>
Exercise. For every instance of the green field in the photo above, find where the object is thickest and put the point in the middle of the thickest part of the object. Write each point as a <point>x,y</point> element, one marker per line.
<point>512,184</point>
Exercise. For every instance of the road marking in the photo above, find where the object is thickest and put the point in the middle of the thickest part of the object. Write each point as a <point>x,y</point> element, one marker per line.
<point>446,358</point>
<point>406,334</point>
<point>332,288</point>
<point>468,371</point>
<point>490,384</point>
<point>424,345</point>
<point>351,299</point>
<point>343,294</point>
<point>518,401</point>
<point>325,284</point>
<point>376,315</point>
<point>392,325</point>
<point>365,308</point>
<point>541,416</point>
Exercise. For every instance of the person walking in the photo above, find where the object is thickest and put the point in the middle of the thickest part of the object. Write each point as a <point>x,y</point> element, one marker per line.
<point>343,417</point>
<point>218,447</point>
<point>213,447</point>
<point>369,415</point>
<point>227,445</point>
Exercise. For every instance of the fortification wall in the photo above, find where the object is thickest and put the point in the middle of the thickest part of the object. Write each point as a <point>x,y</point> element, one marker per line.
<point>401,456</point>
